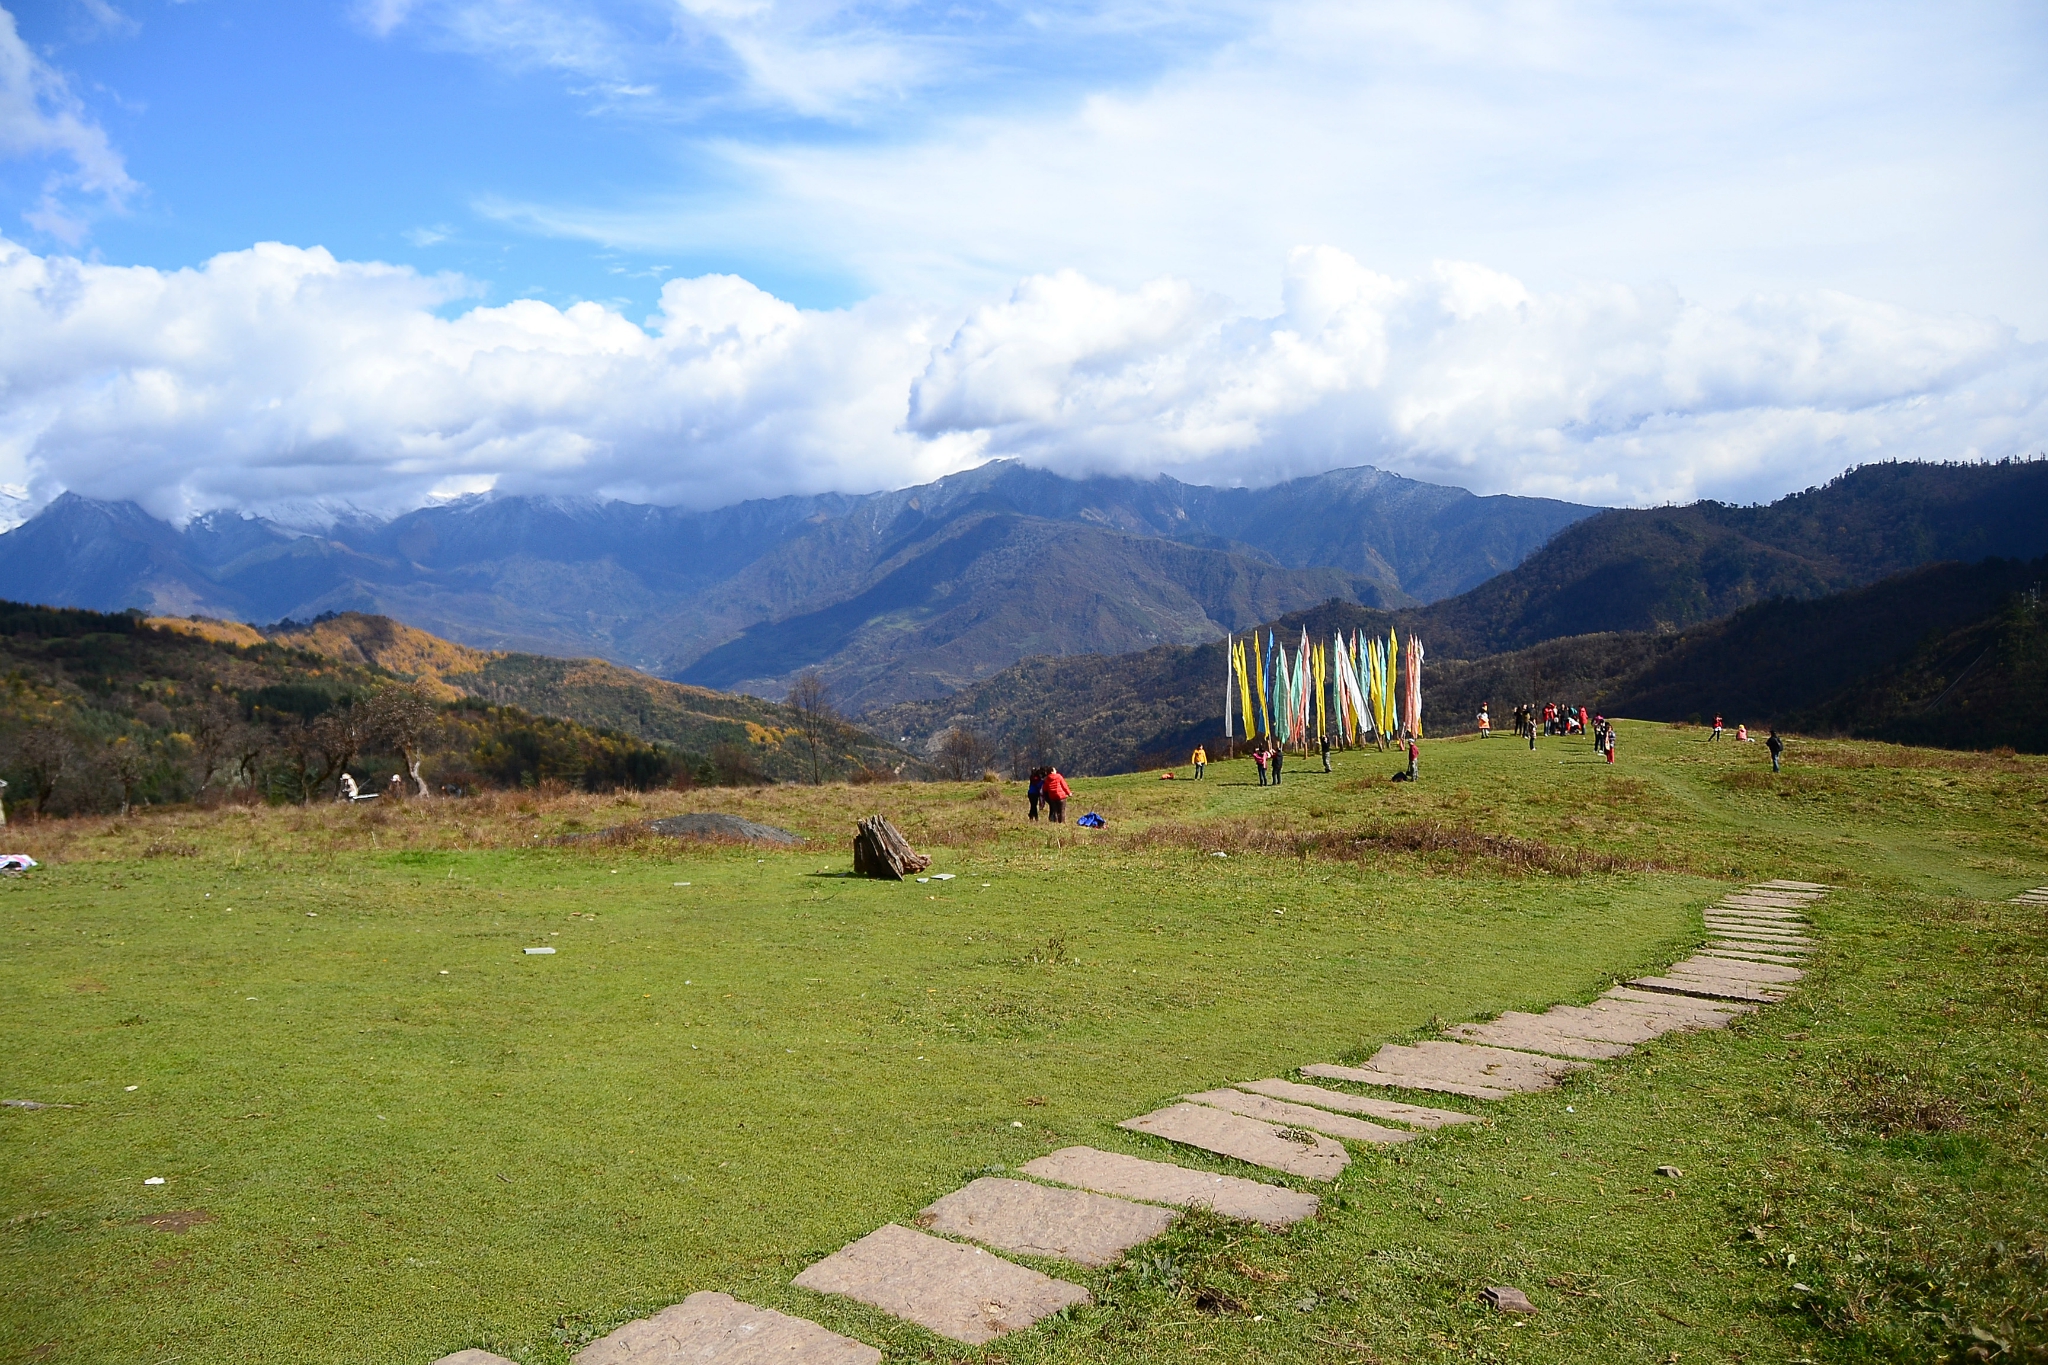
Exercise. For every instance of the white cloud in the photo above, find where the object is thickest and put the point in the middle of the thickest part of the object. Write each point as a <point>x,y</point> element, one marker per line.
<point>280,376</point>
<point>40,118</point>
<point>1599,393</point>
<point>1729,148</point>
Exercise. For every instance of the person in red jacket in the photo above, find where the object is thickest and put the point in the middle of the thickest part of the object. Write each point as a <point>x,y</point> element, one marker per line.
<point>1056,794</point>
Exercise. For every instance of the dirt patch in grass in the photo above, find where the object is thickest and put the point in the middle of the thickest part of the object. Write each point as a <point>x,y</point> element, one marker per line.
<point>1458,844</point>
<point>176,1220</point>
<point>1890,1099</point>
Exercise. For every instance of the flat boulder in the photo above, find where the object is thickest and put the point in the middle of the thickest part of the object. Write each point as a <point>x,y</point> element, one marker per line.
<point>1162,1182</point>
<point>712,825</point>
<point>957,1291</point>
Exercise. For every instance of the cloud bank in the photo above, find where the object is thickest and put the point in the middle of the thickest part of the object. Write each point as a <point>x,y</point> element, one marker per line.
<point>282,377</point>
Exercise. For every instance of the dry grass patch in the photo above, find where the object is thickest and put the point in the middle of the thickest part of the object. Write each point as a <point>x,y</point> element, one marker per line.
<point>1457,844</point>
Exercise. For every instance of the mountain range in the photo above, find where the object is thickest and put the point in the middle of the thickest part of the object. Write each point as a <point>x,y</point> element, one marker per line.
<point>891,596</point>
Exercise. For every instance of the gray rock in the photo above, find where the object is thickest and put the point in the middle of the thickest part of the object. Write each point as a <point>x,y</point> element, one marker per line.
<point>1299,1116</point>
<point>1414,1115</point>
<point>1506,1298</point>
<point>1038,1220</point>
<point>1293,1150</point>
<point>1164,1183</point>
<point>717,1329</point>
<point>960,1292</point>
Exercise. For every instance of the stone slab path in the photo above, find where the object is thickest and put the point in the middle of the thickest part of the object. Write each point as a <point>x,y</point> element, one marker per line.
<point>2037,896</point>
<point>1094,1205</point>
<point>1414,1115</point>
<point>1300,1116</point>
<point>1039,1220</point>
<point>960,1292</point>
<point>1161,1182</point>
<point>1293,1150</point>
<point>717,1329</point>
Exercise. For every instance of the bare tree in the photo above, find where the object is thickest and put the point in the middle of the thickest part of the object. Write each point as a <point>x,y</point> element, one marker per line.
<point>402,717</point>
<point>337,737</point>
<point>213,728</point>
<point>44,753</point>
<point>810,699</point>
<point>127,761</point>
<point>963,755</point>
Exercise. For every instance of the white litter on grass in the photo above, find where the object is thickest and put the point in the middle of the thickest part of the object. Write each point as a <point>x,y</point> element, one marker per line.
<point>444,971</point>
<point>922,880</point>
<point>154,1180</point>
<point>134,1087</point>
<point>682,883</point>
<point>1219,855</point>
<point>535,952</point>
<point>942,876</point>
<point>1015,1124</point>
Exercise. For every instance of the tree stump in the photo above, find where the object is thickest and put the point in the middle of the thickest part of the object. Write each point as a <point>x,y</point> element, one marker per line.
<point>880,850</point>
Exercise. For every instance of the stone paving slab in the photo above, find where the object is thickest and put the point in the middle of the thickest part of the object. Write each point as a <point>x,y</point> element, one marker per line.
<point>1732,973</point>
<point>1610,1024</point>
<point>1766,940</point>
<point>475,1357</point>
<point>1414,1115</point>
<point>1783,885</point>
<point>1711,990</point>
<point>1038,1220</point>
<point>1708,1014</point>
<point>1455,1069</point>
<point>1701,964</point>
<point>1162,1182</point>
<point>1234,1135</point>
<point>1747,915</point>
<point>1755,926</point>
<point>2039,895</point>
<point>1787,900</point>
<point>717,1329</point>
<point>961,1292</point>
<point>1736,952</point>
<point>1533,1033</point>
<point>1299,1116</point>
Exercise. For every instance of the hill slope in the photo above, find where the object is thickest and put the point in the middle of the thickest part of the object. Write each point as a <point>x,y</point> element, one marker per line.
<point>1663,569</point>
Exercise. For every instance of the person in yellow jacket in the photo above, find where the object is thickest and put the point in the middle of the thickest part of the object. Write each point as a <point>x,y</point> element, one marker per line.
<point>1200,759</point>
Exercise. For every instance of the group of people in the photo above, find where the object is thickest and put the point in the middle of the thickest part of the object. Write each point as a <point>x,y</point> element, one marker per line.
<point>1049,788</point>
<point>1743,736</point>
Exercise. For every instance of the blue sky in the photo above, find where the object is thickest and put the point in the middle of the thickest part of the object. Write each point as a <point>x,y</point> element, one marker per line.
<point>1616,252</point>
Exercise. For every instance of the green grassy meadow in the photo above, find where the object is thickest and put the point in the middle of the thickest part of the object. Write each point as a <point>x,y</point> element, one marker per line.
<point>407,1136</point>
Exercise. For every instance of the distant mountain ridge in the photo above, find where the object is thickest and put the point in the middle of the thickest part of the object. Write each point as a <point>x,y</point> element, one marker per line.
<point>911,593</point>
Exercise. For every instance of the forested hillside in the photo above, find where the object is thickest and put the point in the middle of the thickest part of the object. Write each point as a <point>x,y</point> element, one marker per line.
<point>102,711</point>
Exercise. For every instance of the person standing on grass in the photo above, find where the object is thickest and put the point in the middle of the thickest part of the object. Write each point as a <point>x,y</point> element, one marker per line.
<point>1259,758</point>
<point>1326,753</point>
<point>1607,742</point>
<point>1036,791</point>
<point>1717,728</point>
<point>1056,794</point>
<point>1277,757</point>
<point>1200,759</point>
<point>1485,723</point>
<point>1777,748</point>
<point>1414,759</point>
